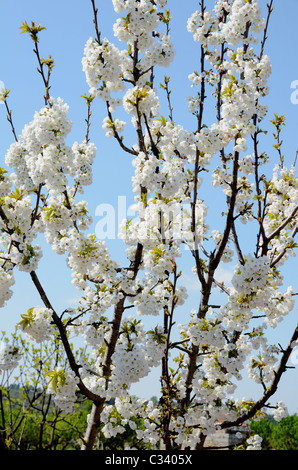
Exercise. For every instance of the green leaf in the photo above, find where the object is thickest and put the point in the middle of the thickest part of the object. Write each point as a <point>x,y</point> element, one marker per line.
<point>56,378</point>
<point>50,213</point>
<point>27,319</point>
<point>17,194</point>
<point>2,173</point>
<point>33,30</point>
<point>278,121</point>
<point>88,98</point>
<point>49,62</point>
<point>25,28</point>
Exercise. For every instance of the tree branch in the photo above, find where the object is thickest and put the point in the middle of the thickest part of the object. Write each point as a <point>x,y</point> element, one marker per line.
<point>270,390</point>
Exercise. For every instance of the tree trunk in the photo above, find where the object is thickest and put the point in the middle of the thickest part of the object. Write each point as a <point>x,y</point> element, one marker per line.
<point>92,427</point>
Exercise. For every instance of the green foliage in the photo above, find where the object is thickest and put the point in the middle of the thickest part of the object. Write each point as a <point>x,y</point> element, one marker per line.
<point>40,426</point>
<point>264,428</point>
<point>29,418</point>
<point>285,435</point>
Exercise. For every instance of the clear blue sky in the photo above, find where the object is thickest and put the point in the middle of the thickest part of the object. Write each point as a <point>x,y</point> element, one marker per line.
<point>69,25</point>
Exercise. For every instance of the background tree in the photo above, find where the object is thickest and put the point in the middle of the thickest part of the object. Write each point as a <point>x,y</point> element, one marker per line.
<point>277,435</point>
<point>178,172</point>
<point>29,418</point>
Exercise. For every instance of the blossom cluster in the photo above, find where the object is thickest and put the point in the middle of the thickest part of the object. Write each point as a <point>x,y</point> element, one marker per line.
<point>282,202</point>
<point>255,287</point>
<point>138,24</point>
<point>254,443</point>
<point>137,352</point>
<point>41,157</point>
<point>126,414</point>
<point>37,324</point>
<point>135,355</point>
<point>63,386</point>
<point>40,152</point>
<point>6,282</point>
<point>280,411</point>
<point>10,356</point>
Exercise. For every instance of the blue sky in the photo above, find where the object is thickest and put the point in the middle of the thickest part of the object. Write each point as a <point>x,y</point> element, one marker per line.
<point>68,26</point>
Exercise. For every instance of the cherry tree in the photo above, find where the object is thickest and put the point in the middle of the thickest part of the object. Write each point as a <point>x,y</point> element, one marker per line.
<point>202,357</point>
